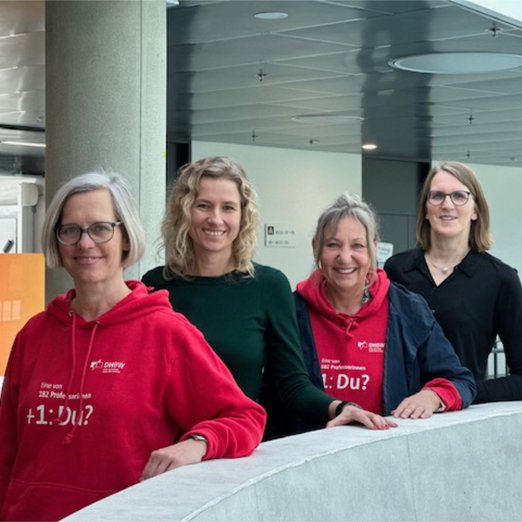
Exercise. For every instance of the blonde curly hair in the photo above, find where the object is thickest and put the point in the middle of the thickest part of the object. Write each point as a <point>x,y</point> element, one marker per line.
<point>179,249</point>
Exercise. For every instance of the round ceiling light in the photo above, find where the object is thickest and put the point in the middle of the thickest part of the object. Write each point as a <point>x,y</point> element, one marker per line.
<point>369,146</point>
<point>271,15</point>
<point>457,63</point>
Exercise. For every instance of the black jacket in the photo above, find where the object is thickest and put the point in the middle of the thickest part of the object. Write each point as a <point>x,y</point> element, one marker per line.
<point>416,350</point>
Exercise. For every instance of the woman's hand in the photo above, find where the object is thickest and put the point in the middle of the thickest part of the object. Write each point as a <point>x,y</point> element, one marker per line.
<point>188,451</point>
<point>371,420</point>
<point>418,406</point>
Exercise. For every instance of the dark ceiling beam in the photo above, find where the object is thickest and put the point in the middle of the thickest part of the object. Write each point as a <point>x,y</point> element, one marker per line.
<point>27,128</point>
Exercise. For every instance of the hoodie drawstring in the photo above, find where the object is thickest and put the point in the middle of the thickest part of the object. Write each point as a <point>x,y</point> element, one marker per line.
<point>70,436</point>
<point>58,419</point>
<point>349,323</point>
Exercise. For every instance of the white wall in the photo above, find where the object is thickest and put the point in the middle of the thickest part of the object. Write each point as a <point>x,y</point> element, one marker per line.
<point>503,189</point>
<point>17,204</point>
<point>293,187</point>
<point>508,11</point>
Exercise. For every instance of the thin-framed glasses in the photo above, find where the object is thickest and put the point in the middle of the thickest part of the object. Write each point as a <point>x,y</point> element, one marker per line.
<point>100,232</point>
<point>458,197</point>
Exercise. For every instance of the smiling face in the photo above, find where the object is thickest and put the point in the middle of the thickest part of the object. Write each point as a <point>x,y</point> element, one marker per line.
<point>215,218</point>
<point>87,262</point>
<point>448,220</point>
<point>345,260</point>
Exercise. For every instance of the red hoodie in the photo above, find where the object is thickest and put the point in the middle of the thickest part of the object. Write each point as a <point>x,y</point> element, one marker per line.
<point>350,348</point>
<point>85,402</point>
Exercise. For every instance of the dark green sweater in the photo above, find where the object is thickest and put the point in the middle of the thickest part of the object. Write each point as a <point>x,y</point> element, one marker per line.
<point>251,324</point>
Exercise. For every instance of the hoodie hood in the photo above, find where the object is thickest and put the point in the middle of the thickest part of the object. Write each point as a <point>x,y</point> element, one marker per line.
<point>313,291</point>
<point>137,304</point>
<point>350,348</point>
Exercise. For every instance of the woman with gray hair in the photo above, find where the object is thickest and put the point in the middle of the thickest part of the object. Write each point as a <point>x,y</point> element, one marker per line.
<point>373,344</point>
<point>108,385</point>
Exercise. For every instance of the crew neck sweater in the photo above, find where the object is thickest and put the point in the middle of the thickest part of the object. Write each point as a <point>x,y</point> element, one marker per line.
<point>250,322</point>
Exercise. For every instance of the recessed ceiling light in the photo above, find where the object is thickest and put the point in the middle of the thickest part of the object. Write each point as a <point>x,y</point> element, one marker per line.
<point>369,146</point>
<point>23,143</point>
<point>457,63</point>
<point>326,119</point>
<point>271,15</point>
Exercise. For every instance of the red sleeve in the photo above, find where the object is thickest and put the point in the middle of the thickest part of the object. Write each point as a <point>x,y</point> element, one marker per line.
<point>205,399</point>
<point>447,392</point>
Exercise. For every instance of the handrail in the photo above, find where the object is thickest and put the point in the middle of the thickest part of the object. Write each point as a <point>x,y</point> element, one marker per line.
<point>454,466</point>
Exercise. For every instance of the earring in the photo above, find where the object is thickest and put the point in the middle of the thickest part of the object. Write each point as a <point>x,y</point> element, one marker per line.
<point>366,292</point>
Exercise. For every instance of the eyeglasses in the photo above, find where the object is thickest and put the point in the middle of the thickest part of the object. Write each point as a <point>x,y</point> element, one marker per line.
<point>100,232</point>
<point>459,197</point>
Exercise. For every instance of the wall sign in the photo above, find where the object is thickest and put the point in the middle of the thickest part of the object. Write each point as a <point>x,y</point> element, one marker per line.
<point>280,236</point>
<point>384,251</point>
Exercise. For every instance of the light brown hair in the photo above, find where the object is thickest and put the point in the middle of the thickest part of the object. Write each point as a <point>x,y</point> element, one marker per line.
<point>480,238</point>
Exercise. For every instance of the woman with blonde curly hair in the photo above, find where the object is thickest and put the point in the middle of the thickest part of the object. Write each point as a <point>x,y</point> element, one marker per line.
<point>244,309</point>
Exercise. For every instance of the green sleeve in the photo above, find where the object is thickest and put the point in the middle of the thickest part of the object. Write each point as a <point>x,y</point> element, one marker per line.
<point>284,355</point>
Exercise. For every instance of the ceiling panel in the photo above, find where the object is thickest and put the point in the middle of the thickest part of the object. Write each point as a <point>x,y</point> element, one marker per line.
<point>22,17</point>
<point>22,85</point>
<point>242,51</point>
<point>334,57</point>
<point>420,25</point>
<point>232,76</point>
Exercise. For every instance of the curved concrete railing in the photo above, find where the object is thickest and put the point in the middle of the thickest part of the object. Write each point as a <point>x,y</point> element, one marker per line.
<point>455,466</point>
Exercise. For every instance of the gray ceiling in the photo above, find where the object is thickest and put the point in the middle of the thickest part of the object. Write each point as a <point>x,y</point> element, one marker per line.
<point>233,78</point>
<point>331,57</point>
<point>22,84</point>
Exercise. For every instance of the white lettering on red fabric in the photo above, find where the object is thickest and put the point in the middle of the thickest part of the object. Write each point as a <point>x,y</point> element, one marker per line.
<point>65,414</point>
<point>107,366</point>
<point>371,347</point>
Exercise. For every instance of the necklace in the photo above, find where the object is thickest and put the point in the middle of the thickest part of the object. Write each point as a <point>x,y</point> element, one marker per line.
<point>443,269</point>
<point>349,310</point>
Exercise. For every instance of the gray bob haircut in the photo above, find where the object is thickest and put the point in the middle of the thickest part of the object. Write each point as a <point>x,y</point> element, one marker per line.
<point>125,209</point>
<point>347,205</point>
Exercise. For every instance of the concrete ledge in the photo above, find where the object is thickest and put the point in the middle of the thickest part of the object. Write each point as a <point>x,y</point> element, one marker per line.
<point>455,466</point>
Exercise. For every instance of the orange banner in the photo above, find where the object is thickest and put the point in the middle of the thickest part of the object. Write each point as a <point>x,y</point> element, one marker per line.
<point>22,295</point>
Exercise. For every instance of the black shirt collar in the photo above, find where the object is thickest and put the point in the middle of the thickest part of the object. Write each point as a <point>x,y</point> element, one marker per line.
<point>468,266</point>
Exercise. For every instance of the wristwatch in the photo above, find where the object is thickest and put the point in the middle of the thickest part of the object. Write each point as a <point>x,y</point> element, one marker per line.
<point>342,404</point>
<point>196,436</point>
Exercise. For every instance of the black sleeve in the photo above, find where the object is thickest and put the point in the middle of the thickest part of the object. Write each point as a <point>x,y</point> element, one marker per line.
<point>508,323</point>
<point>394,270</point>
